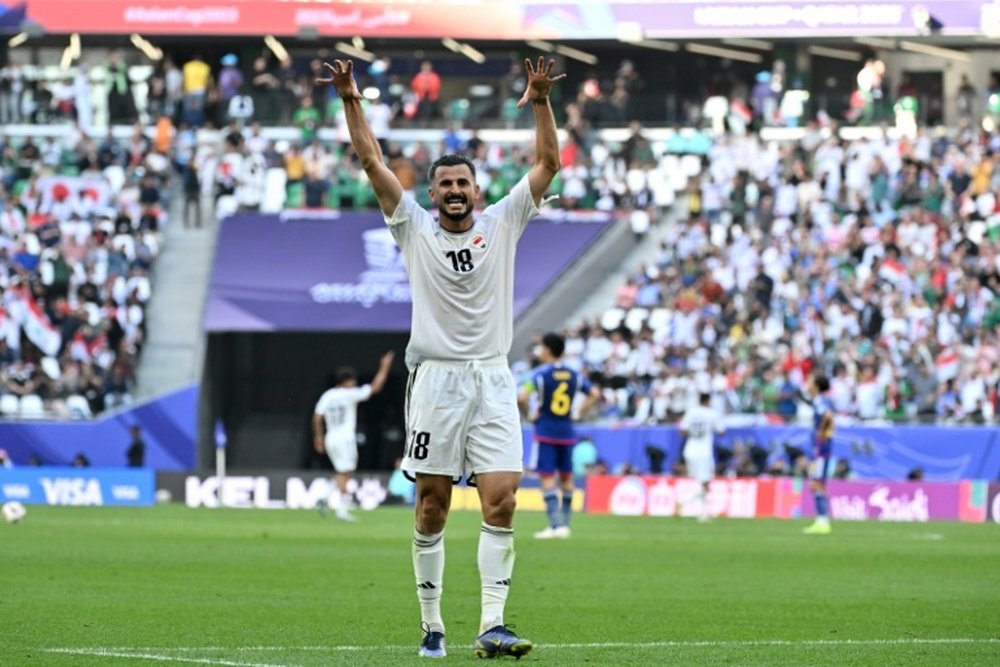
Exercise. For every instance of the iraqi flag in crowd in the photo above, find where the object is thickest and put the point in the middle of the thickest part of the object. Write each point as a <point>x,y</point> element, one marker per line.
<point>37,327</point>
<point>946,365</point>
<point>892,271</point>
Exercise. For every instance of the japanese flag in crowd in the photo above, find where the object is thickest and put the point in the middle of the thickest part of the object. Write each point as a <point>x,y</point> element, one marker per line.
<point>26,312</point>
<point>946,365</point>
<point>74,193</point>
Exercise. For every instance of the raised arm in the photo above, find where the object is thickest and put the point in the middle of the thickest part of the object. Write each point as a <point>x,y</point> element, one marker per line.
<point>383,372</point>
<point>593,398</point>
<point>547,162</point>
<point>388,191</point>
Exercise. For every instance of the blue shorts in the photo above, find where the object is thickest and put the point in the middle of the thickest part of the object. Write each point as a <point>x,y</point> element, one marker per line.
<point>548,459</point>
<point>819,468</point>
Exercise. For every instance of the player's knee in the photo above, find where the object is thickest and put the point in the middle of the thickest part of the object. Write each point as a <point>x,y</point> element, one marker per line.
<point>431,514</point>
<point>500,510</point>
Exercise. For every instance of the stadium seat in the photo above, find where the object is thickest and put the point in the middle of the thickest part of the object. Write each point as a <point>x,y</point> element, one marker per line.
<point>458,109</point>
<point>116,177</point>
<point>78,407</point>
<point>296,196</point>
<point>50,366</point>
<point>510,112</point>
<point>275,181</point>
<point>691,165</point>
<point>10,405</point>
<point>659,319</point>
<point>32,407</point>
<point>612,318</point>
<point>483,100</point>
<point>635,318</point>
<point>636,180</point>
<point>226,206</point>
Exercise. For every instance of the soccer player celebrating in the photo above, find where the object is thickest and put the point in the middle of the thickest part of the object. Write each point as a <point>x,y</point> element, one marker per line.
<point>698,426</point>
<point>819,469</point>
<point>555,387</point>
<point>461,408</point>
<point>335,423</point>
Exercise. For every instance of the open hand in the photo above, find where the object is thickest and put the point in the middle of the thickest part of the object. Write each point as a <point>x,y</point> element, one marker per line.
<point>540,81</point>
<point>342,79</point>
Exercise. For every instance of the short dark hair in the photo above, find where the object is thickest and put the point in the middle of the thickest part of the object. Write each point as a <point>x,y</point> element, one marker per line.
<point>704,397</point>
<point>822,383</point>
<point>450,160</point>
<point>555,343</point>
<point>343,374</point>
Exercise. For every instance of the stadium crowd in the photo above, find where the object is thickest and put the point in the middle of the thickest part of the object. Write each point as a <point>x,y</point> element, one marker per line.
<point>875,262</point>
<point>80,221</point>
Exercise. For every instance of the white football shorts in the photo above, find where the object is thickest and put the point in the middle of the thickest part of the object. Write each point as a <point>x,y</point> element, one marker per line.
<point>700,467</point>
<point>343,455</point>
<point>462,419</point>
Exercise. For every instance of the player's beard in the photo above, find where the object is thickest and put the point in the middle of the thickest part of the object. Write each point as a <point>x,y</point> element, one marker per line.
<point>455,217</point>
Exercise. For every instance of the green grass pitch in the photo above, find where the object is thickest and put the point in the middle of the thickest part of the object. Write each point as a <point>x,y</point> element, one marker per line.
<point>171,585</point>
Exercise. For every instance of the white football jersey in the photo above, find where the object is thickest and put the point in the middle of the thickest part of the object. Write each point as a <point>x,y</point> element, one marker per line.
<point>339,408</point>
<point>701,423</point>
<point>462,283</point>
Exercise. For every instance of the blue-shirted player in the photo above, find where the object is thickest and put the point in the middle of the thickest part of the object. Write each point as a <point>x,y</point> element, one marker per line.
<point>555,387</point>
<point>819,470</point>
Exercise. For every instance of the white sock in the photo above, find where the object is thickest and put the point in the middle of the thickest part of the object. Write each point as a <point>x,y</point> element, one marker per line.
<point>825,520</point>
<point>496,563</point>
<point>428,566</point>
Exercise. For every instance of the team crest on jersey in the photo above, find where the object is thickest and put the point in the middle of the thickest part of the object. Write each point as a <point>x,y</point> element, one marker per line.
<point>479,242</point>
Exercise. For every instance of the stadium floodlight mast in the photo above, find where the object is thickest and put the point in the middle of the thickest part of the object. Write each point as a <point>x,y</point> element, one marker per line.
<point>936,51</point>
<point>466,50</point>
<point>837,54</point>
<point>568,51</point>
<point>276,47</point>
<point>720,52</point>
<point>744,43</point>
<point>354,52</point>
<point>71,52</point>
<point>146,47</point>
<point>17,40</point>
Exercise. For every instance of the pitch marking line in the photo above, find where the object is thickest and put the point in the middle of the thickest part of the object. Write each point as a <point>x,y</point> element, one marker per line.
<point>168,653</point>
<point>144,654</point>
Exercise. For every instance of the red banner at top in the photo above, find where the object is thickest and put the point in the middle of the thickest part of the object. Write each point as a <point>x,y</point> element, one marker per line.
<point>256,17</point>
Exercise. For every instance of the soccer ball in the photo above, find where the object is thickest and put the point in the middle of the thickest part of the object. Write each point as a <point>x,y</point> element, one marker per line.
<point>13,512</point>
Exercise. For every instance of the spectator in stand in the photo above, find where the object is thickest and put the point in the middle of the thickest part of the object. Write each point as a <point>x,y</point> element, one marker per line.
<point>308,119</point>
<point>426,85</point>
<point>121,104</point>
<point>264,86</point>
<point>197,75</point>
<point>378,70</point>
<point>379,115</point>
<point>136,452</point>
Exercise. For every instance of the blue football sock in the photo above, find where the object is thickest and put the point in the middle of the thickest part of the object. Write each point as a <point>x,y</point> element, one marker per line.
<point>567,506</point>
<point>552,506</point>
<point>821,507</point>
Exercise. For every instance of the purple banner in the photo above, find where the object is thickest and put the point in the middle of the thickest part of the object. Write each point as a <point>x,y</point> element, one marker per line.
<point>167,423</point>
<point>755,18</point>
<point>889,501</point>
<point>943,453</point>
<point>345,273</point>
